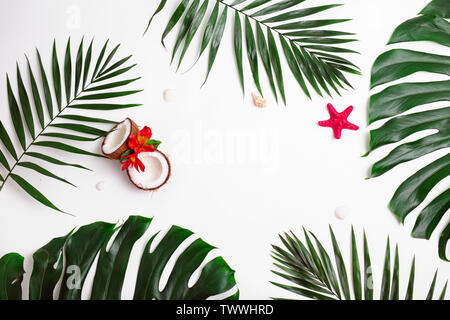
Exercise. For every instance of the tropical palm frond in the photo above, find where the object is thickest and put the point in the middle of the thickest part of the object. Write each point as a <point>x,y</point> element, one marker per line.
<point>430,25</point>
<point>308,267</point>
<point>70,258</point>
<point>39,114</point>
<point>268,29</point>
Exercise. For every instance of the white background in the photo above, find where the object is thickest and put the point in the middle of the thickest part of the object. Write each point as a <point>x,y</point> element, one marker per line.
<point>241,175</point>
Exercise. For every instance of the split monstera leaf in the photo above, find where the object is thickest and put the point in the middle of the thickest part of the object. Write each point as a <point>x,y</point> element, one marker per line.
<point>270,29</point>
<point>69,259</point>
<point>396,99</point>
<point>85,84</point>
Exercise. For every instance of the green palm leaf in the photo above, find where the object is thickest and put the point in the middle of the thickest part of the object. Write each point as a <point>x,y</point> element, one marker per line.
<point>81,247</point>
<point>396,99</point>
<point>77,87</point>
<point>311,274</point>
<point>314,55</point>
<point>356,269</point>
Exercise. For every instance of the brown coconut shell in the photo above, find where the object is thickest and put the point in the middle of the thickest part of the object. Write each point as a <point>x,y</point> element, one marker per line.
<point>169,172</point>
<point>124,147</point>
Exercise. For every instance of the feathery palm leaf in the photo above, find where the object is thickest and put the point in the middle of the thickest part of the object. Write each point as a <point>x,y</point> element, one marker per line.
<point>314,55</point>
<point>396,99</point>
<point>38,119</point>
<point>81,247</point>
<point>311,273</point>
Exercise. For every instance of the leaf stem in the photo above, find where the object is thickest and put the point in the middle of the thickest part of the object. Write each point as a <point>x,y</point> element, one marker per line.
<point>251,17</point>
<point>260,22</point>
<point>269,27</point>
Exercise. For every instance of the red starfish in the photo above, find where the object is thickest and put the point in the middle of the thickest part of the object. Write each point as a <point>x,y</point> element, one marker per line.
<point>338,121</point>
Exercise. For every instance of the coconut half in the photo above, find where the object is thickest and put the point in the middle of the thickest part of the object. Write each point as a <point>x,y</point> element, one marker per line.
<point>156,173</point>
<point>115,142</point>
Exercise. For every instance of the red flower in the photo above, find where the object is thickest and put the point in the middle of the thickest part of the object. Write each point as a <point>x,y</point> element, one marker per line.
<point>132,160</point>
<point>139,143</point>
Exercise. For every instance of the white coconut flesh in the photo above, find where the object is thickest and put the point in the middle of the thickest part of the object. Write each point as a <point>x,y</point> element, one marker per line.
<point>116,138</point>
<point>156,173</point>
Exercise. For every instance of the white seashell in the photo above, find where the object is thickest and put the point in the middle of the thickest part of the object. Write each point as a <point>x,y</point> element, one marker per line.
<point>259,101</point>
<point>100,185</point>
<point>342,212</point>
<point>169,95</point>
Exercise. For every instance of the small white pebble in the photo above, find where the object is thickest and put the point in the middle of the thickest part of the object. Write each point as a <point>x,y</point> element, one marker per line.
<point>169,95</point>
<point>342,212</point>
<point>100,186</point>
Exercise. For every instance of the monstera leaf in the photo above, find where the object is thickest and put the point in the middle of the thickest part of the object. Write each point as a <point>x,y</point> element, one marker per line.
<point>69,259</point>
<point>396,99</point>
<point>11,275</point>
<point>38,118</point>
<point>313,53</point>
<point>311,272</point>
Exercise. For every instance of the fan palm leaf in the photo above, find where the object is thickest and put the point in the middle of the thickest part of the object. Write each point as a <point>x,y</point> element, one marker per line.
<point>267,30</point>
<point>430,25</point>
<point>70,258</point>
<point>38,118</point>
<point>311,273</point>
